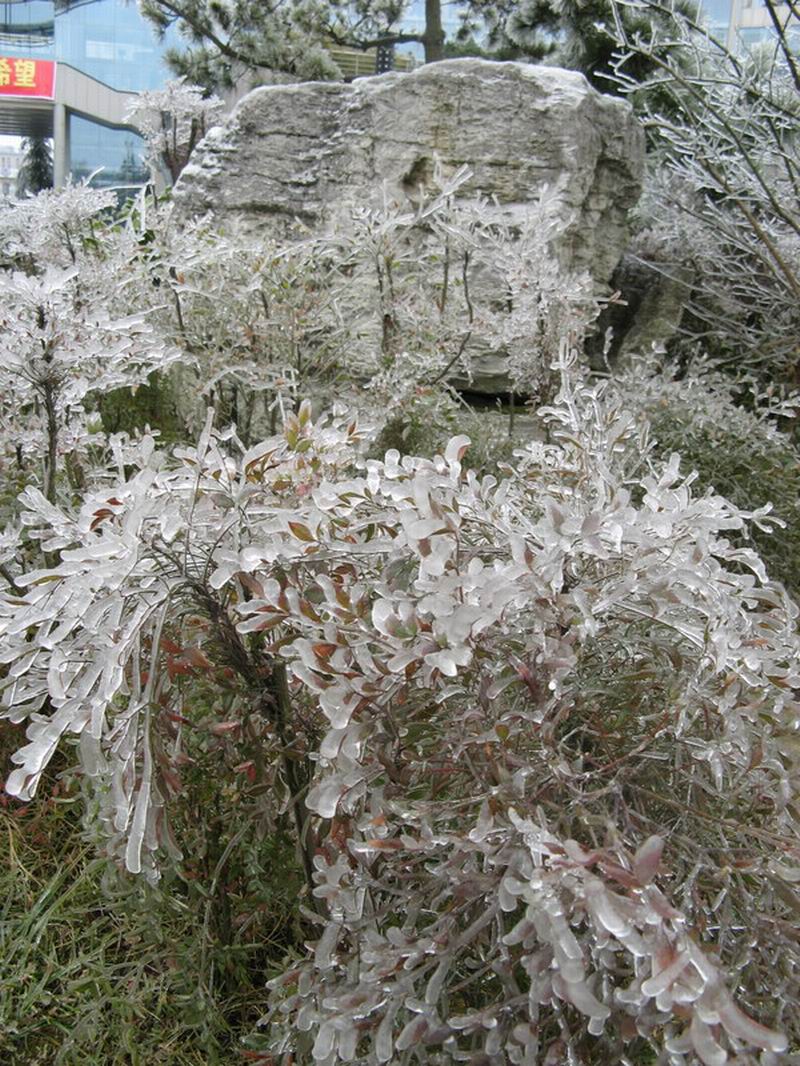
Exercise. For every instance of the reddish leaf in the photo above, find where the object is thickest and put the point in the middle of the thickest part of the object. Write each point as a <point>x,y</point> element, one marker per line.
<point>100,516</point>
<point>301,532</point>
<point>620,874</point>
<point>250,583</point>
<point>248,768</point>
<point>308,611</point>
<point>173,780</point>
<point>196,658</point>
<point>221,729</point>
<point>176,667</point>
<point>175,717</point>
<point>271,620</point>
<point>324,651</point>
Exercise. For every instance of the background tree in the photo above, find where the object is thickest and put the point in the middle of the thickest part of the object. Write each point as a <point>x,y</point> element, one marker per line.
<point>286,35</point>
<point>225,40</point>
<point>36,172</point>
<point>577,34</point>
<point>292,36</point>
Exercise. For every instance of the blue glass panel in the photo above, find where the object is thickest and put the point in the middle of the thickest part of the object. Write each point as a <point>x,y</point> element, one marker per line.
<point>26,28</point>
<point>717,12</point>
<point>110,40</point>
<point>118,152</point>
<point>107,39</point>
<point>751,35</point>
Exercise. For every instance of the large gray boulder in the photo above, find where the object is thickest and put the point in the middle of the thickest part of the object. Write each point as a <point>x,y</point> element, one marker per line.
<point>304,152</point>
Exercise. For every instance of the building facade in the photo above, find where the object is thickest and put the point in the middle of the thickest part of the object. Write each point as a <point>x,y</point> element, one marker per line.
<point>752,24</point>
<point>741,24</point>
<point>109,41</point>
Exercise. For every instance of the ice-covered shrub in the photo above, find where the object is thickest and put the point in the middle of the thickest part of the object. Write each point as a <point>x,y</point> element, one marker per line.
<point>537,735</point>
<point>735,434</point>
<point>57,349</point>
<point>52,228</point>
<point>432,289</point>
<point>530,738</point>
<point>723,197</point>
<point>382,311</point>
<point>172,121</point>
<point>258,315</point>
<point>66,344</point>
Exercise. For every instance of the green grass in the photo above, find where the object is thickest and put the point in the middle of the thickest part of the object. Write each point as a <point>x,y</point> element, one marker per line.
<point>99,969</point>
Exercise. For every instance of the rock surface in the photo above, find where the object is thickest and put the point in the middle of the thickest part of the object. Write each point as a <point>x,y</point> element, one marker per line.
<point>648,314</point>
<point>304,151</point>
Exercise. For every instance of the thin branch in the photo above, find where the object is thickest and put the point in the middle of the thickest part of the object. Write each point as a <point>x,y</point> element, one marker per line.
<point>783,44</point>
<point>6,573</point>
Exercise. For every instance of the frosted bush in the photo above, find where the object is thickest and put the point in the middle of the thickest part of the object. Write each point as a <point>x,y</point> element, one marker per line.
<point>385,310</point>
<point>537,735</point>
<point>172,121</point>
<point>50,229</point>
<point>724,196</point>
<point>736,433</point>
<point>447,281</point>
<point>532,736</point>
<point>57,349</point>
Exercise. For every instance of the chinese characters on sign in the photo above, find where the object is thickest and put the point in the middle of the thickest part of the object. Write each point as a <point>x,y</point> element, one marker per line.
<point>27,77</point>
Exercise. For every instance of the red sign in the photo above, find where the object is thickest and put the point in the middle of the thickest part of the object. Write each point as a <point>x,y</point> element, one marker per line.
<point>27,77</point>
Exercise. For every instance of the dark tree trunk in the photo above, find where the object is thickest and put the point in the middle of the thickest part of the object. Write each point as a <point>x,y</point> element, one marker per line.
<point>52,443</point>
<point>434,34</point>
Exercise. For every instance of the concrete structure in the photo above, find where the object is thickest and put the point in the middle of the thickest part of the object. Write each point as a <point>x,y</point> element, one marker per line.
<point>751,24</point>
<point>355,64</point>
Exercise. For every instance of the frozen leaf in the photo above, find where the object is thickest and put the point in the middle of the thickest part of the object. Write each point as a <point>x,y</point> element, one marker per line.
<point>384,1038</point>
<point>647,859</point>
<point>456,448</point>
<point>708,1050</point>
<point>661,980</point>
<point>739,1025</point>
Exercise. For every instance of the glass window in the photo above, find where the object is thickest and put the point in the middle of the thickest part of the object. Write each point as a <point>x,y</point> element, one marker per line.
<point>751,35</point>
<point>717,11</point>
<point>99,50</point>
<point>110,40</point>
<point>107,39</point>
<point>120,153</point>
<point>27,28</point>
